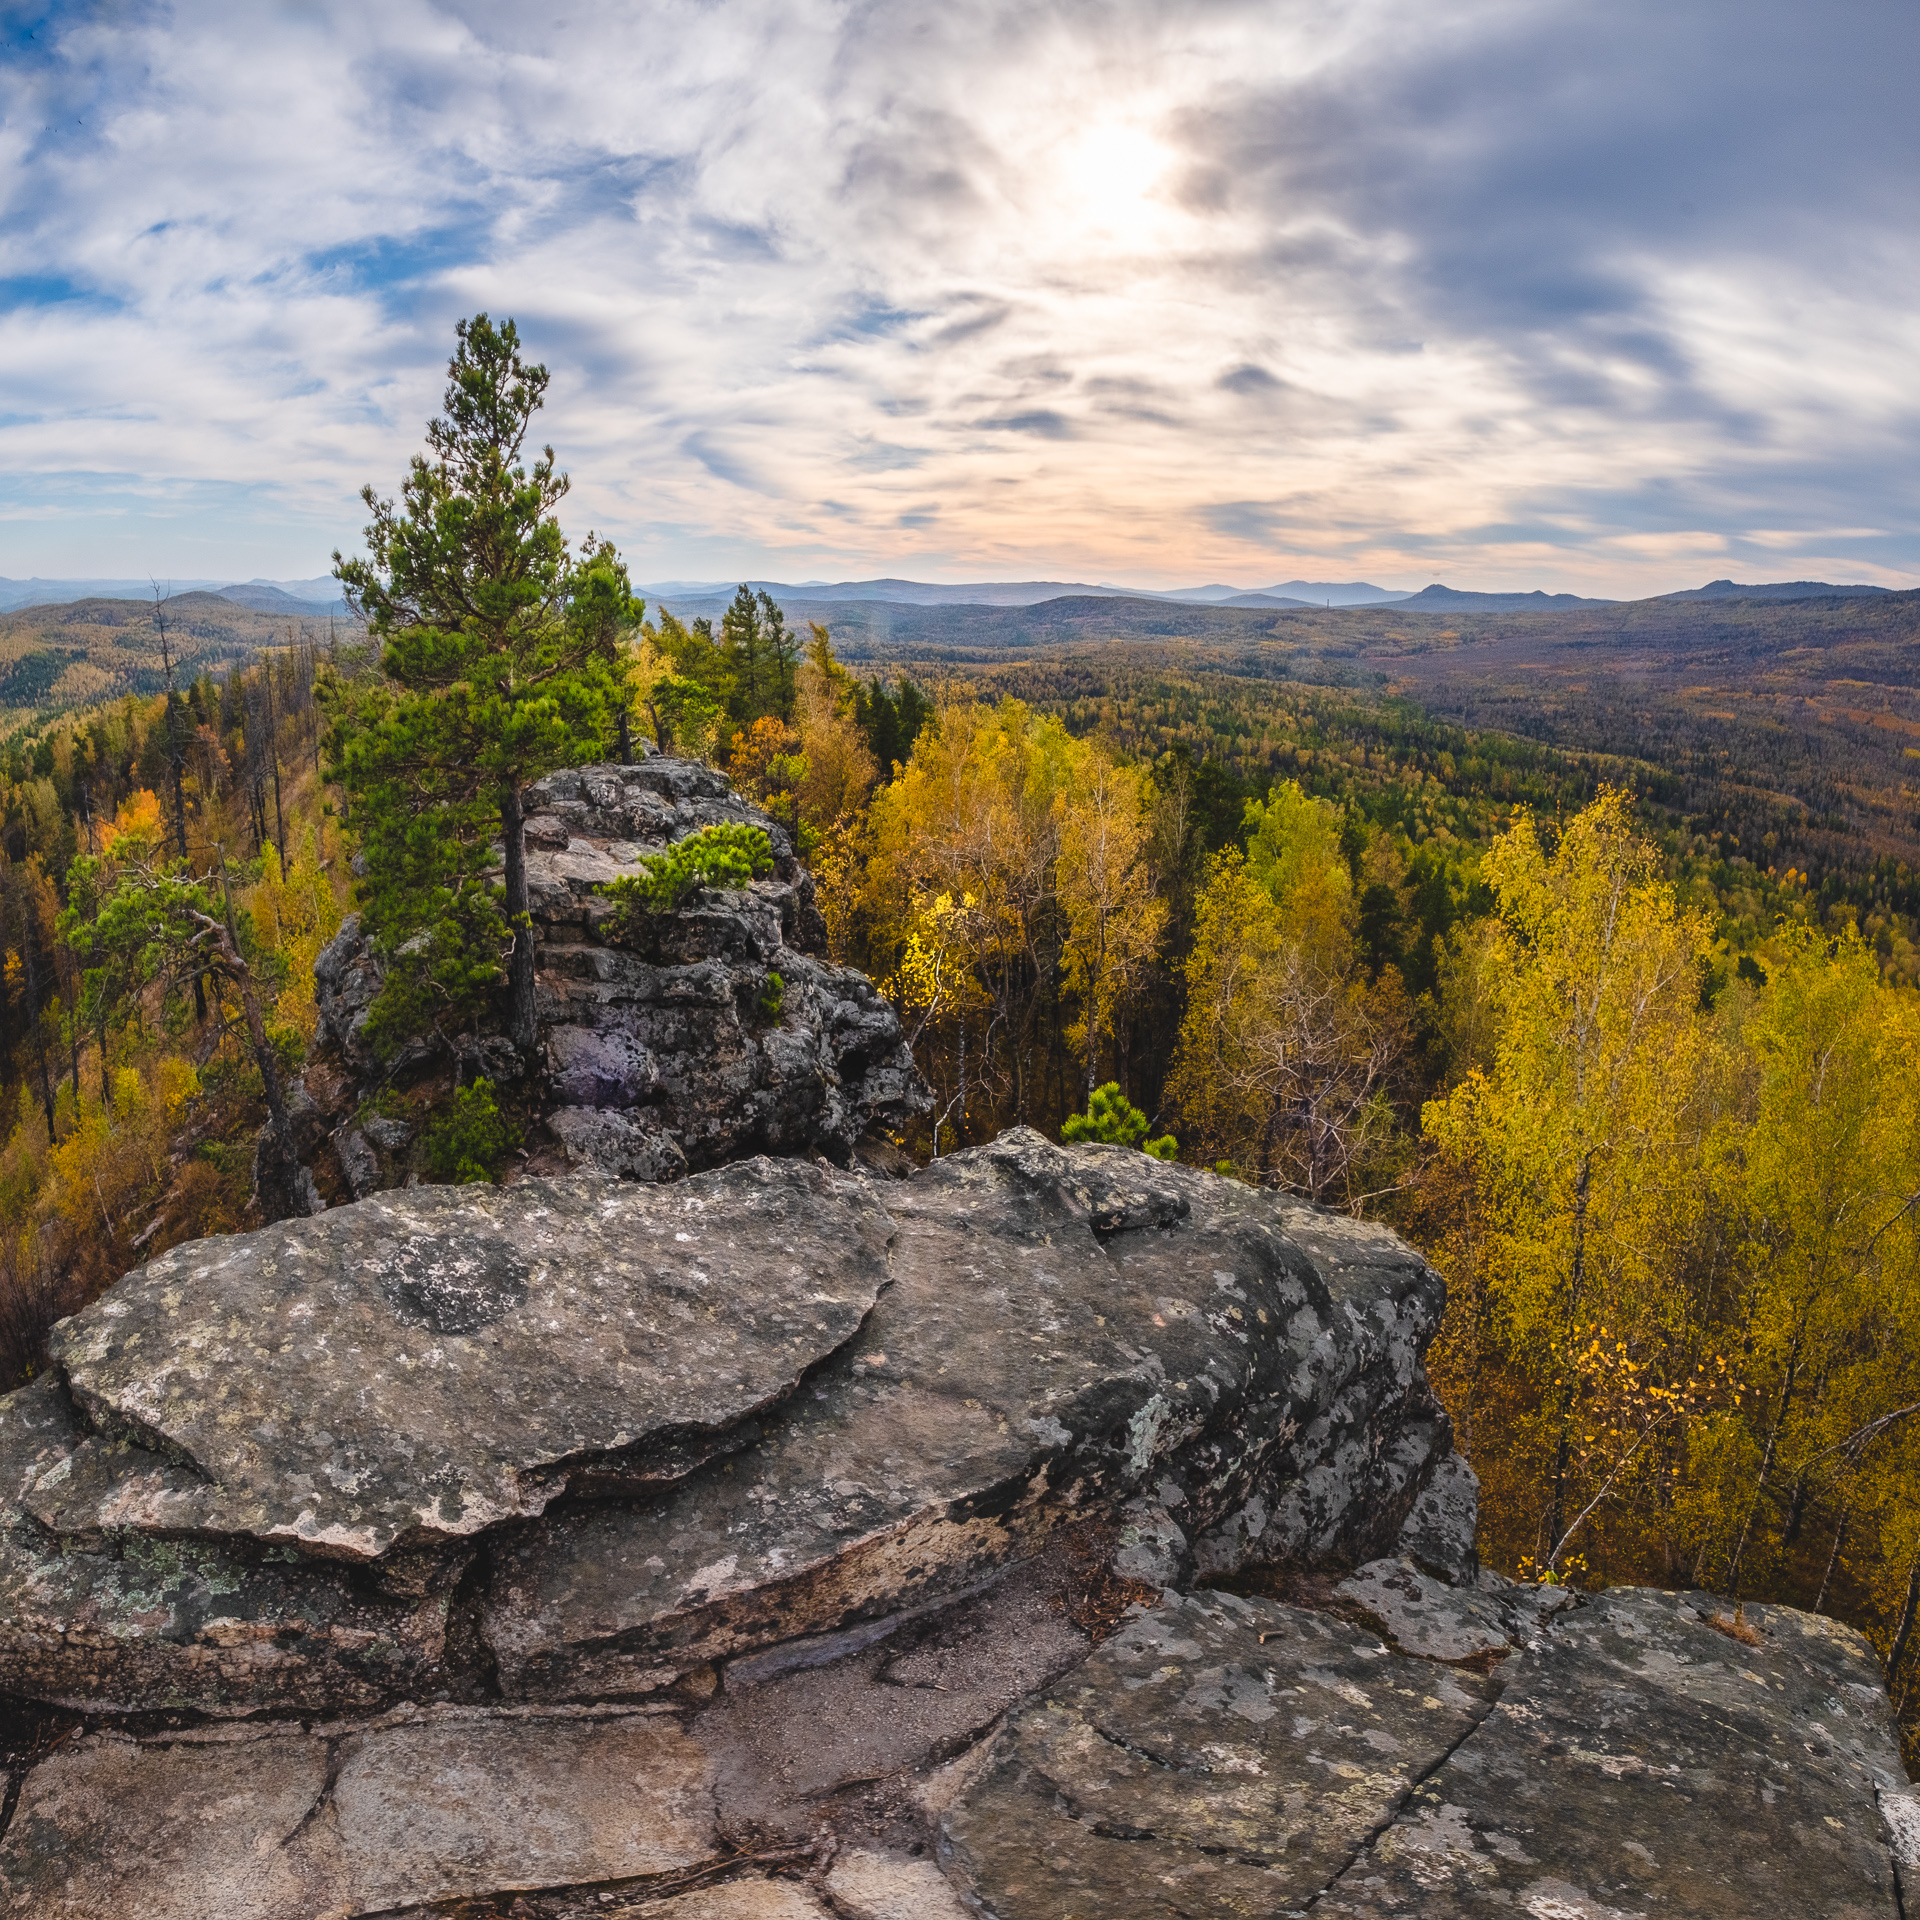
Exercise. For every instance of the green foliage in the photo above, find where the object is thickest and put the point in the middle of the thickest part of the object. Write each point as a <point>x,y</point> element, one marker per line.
<point>773,996</point>
<point>1112,1118</point>
<point>686,714</point>
<point>467,1142</point>
<point>500,664</point>
<point>730,855</point>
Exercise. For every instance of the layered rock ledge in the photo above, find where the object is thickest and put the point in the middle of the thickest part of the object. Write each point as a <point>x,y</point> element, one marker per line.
<point>777,1545</point>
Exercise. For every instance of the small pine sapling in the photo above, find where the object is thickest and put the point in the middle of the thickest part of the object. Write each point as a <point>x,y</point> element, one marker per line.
<point>1113,1119</point>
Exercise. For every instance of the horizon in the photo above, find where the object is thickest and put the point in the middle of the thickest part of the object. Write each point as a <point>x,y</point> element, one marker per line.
<point>216,583</point>
<point>1516,298</point>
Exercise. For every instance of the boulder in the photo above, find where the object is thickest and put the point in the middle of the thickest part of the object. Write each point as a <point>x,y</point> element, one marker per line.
<point>1067,1331</point>
<point>422,1367</point>
<point>722,1032</point>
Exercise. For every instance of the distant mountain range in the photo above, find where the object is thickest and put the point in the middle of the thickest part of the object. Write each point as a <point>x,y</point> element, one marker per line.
<point>307,597</point>
<point>1779,590</point>
<point>1030,593</point>
<point>321,597</point>
<point>1439,599</point>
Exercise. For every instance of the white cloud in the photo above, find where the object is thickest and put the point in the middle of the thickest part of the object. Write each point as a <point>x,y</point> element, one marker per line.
<point>1112,291</point>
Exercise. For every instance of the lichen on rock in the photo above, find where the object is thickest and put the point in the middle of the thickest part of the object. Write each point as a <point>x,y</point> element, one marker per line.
<point>658,1054</point>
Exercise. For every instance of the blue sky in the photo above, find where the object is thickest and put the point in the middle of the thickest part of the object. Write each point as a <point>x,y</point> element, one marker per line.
<point>1510,294</point>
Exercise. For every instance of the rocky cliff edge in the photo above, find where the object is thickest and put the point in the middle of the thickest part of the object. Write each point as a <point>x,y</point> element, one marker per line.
<point>1052,1535</point>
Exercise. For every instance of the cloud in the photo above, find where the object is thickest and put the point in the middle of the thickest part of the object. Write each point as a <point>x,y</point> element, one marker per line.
<point>1538,294</point>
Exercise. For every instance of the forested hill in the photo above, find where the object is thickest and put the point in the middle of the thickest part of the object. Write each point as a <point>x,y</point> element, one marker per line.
<point>1747,629</point>
<point>1785,730</point>
<point>53,658</point>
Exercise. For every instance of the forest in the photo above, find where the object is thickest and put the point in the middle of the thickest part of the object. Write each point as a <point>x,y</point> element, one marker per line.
<point>1642,1083</point>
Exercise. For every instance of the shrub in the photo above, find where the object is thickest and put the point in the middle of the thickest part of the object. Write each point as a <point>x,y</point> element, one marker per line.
<point>723,856</point>
<point>470,1139</point>
<point>773,997</point>
<point>1113,1118</point>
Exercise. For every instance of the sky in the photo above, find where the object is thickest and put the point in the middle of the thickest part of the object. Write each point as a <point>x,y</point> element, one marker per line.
<point>1505,293</point>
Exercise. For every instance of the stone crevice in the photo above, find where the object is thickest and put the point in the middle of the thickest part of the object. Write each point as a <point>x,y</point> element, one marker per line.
<point>339,1752</point>
<point>1392,1814</point>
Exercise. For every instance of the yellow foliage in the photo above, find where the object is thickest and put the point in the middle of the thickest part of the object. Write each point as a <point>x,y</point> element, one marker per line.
<point>138,820</point>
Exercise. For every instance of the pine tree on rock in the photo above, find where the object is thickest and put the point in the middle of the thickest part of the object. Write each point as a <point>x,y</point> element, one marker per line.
<point>488,682</point>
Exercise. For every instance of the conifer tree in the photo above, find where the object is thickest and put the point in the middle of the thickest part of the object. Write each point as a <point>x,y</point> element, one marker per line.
<point>744,644</point>
<point>488,683</point>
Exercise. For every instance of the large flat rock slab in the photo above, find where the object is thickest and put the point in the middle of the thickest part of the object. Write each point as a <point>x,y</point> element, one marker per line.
<point>141,1624</point>
<point>1641,1763</point>
<point>1219,1758</point>
<point>291,1825</point>
<point>425,1365</point>
<point>1066,1332</point>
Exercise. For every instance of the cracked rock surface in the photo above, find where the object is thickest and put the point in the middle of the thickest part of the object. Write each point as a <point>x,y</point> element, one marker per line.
<point>1641,1762</point>
<point>777,1545</point>
<point>1218,1756</point>
<point>1064,1331</point>
<point>1225,1757</point>
<point>434,1362</point>
<point>676,1051</point>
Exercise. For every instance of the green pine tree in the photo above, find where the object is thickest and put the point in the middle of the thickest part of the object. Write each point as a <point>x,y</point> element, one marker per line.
<point>491,676</point>
<point>743,642</point>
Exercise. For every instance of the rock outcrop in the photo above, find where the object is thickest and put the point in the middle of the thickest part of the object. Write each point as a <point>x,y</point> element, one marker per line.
<point>780,1545</point>
<point>725,1034</point>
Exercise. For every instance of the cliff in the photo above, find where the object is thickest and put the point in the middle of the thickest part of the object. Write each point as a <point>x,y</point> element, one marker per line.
<point>728,1033</point>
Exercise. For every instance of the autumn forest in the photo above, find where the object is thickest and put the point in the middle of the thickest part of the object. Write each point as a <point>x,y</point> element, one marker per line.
<point>1626,1039</point>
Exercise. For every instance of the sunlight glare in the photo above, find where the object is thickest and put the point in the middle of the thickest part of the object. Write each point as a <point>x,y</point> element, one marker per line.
<point>1109,174</point>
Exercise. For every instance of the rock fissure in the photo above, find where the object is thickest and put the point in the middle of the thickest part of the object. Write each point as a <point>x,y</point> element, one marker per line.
<point>1367,1844</point>
<point>337,1751</point>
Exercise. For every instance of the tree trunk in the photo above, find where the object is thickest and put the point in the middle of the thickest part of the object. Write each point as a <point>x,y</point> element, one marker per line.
<point>234,966</point>
<point>513,833</point>
<point>273,755</point>
<point>1901,1638</point>
<point>33,1014</point>
<point>1767,1456</point>
<point>1563,1448</point>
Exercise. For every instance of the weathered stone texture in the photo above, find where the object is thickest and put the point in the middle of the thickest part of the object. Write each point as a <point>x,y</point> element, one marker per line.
<point>681,1053</point>
<point>1063,1331</point>
<point>1640,1762</point>
<point>142,1622</point>
<point>295,1825</point>
<point>1218,1757</point>
<point>431,1363</point>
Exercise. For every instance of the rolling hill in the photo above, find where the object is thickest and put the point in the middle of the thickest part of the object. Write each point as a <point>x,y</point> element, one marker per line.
<point>79,652</point>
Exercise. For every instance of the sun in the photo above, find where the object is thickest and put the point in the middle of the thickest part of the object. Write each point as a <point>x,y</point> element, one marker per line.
<point>1108,178</point>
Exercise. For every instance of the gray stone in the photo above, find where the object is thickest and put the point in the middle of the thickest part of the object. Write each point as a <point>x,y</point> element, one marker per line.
<point>421,1367</point>
<point>1440,1530</point>
<point>617,1145</point>
<point>671,1053</point>
<point>1218,1757</point>
<point>1641,1762</point>
<point>1066,1331</point>
<point>389,1135</point>
<point>1427,1617</point>
<point>358,1162</point>
<point>141,1623</point>
<point>294,1825</point>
